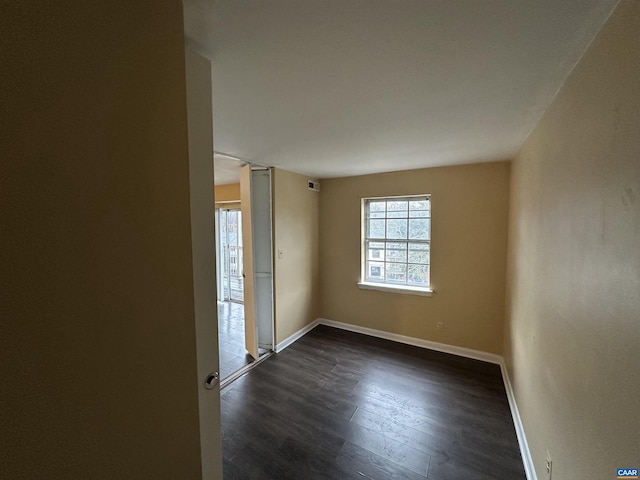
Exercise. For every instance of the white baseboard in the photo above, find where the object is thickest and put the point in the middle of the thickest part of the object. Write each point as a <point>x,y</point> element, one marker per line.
<point>292,338</point>
<point>527,460</point>
<point>440,347</point>
<point>417,342</point>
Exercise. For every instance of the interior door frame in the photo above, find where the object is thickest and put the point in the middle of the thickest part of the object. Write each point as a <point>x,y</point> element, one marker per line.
<point>202,206</point>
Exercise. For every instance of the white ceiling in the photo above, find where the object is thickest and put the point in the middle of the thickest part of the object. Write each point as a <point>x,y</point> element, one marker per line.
<point>227,170</point>
<point>345,87</point>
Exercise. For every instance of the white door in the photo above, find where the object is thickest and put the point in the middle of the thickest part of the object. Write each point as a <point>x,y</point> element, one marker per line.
<point>250,327</point>
<point>200,119</point>
<point>262,255</point>
<point>255,192</point>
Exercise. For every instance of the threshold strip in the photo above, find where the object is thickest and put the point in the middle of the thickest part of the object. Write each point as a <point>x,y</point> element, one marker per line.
<point>239,373</point>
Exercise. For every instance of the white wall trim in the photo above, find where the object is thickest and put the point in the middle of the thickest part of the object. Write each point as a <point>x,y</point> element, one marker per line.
<point>292,338</point>
<point>527,460</point>
<point>401,289</point>
<point>417,342</point>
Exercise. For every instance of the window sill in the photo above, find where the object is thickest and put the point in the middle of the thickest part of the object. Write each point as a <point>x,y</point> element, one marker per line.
<point>423,292</point>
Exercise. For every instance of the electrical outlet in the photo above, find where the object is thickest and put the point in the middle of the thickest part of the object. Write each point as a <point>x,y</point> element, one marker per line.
<point>549,465</point>
<point>440,326</point>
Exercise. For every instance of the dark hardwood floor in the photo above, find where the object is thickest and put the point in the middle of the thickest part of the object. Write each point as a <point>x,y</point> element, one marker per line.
<point>340,405</point>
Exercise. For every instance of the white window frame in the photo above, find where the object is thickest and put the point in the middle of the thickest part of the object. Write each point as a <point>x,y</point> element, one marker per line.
<point>385,285</point>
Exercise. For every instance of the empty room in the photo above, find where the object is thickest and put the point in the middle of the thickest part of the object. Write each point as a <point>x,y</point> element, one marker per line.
<point>415,256</point>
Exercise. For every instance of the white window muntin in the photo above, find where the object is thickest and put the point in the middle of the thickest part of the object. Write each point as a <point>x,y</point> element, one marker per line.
<point>397,239</point>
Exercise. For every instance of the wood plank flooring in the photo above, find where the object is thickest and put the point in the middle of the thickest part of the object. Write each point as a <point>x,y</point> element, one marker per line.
<point>340,405</point>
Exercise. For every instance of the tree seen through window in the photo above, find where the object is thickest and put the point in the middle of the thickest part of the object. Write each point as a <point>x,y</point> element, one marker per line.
<point>397,240</point>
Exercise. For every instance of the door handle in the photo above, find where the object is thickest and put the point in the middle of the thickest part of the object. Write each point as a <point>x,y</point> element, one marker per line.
<point>212,381</point>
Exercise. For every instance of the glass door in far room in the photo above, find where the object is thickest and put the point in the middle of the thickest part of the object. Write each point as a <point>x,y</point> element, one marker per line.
<point>230,248</point>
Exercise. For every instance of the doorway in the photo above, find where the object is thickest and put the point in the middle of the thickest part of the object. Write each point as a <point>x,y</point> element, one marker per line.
<point>230,261</point>
<point>243,220</point>
<point>233,355</point>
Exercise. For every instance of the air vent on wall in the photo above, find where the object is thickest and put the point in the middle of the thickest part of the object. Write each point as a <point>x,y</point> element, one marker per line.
<point>313,185</point>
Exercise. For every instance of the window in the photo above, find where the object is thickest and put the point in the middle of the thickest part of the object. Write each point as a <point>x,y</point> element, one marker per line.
<point>396,243</point>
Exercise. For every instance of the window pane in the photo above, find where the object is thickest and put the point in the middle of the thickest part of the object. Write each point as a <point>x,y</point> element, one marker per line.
<point>419,228</point>
<point>419,213</point>
<point>376,215</point>
<point>397,272</point>
<point>397,255</point>
<point>397,229</point>
<point>418,205</point>
<point>419,256</point>
<point>402,214</point>
<point>418,274</point>
<point>375,271</point>
<point>376,205</point>
<point>376,244</point>
<point>396,245</point>
<point>376,228</point>
<point>376,254</point>
<point>397,206</point>
<point>419,253</point>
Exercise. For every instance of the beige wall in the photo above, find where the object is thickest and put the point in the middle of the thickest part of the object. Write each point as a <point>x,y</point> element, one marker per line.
<point>296,211</point>
<point>469,235</point>
<point>96,311</point>
<point>573,310</point>
<point>228,193</point>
